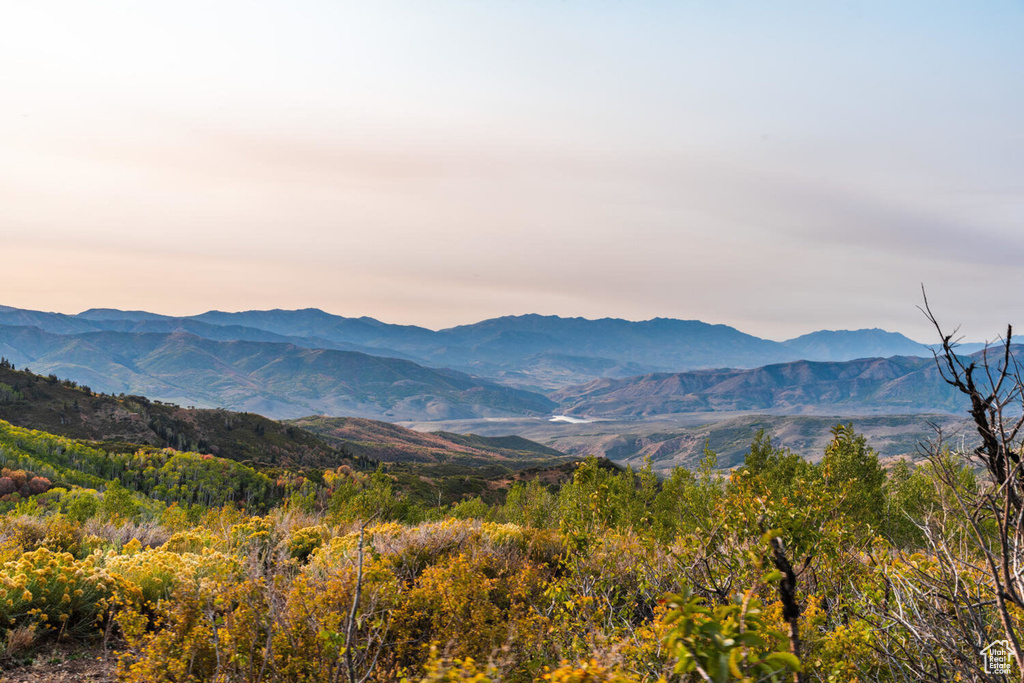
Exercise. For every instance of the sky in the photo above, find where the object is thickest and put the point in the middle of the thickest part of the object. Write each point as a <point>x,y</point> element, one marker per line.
<point>780,167</point>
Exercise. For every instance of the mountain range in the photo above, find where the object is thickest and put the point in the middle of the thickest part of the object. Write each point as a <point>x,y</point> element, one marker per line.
<point>543,353</point>
<point>275,379</point>
<point>288,364</point>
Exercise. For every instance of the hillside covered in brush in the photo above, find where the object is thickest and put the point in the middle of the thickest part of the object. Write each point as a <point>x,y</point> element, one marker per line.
<point>124,435</point>
<point>145,479</point>
<point>65,408</point>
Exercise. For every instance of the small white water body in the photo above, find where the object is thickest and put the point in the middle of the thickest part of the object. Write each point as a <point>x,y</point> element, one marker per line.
<point>570,420</point>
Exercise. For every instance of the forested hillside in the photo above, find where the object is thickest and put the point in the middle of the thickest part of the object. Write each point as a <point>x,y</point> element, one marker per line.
<point>668,446</point>
<point>154,476</point>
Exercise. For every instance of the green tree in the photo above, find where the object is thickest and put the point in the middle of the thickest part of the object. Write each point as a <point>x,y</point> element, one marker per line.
<point>909,498</point>
<point>602,497</point>
<point>851,468</point>
<point>119,503</point>
<point>81,505</point>
<point>530,504</point>
<point>778,468</point>
<point>687,500</point>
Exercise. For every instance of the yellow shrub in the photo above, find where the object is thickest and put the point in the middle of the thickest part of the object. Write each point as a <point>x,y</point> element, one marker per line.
<point>212,629</point>
<point>473,607</point>
<point>156,571</point>
<point>56,590</point>
<point>253,536</point>
<point>311,641</point>
<point>192,541</point>
<point>303,542</point>
<point>63,535</point>
<point>448,671</point>
<point>588,672</point>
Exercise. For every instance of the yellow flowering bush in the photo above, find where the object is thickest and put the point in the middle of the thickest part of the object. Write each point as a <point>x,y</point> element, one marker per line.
<point>213,628</point>
<point>56,591</point>
<point>253,537</point>
<point>9,550</point>
<point>90,543</point>
<point>191,541</point>
<point>23,530</point>
<point>589,672</point>
<point>156,572</point>
<point>64,535</point>
<point>466,594</point>
<point>451,670</point>
<point>333,553</point>
<point>303,542</point>
<point>310,641</point>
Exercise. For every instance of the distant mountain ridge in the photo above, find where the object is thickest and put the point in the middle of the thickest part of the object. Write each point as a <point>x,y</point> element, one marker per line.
<point>538,352</point>
<point>110,320</point>
<point>899,384</point>
<point>840,345</point>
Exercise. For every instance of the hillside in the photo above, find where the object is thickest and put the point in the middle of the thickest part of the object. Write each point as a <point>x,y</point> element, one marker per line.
<point>156,476</point>
<point>274,379</point>
<point>58,407</point>
<point>869,386</point>
<point>386,442</point>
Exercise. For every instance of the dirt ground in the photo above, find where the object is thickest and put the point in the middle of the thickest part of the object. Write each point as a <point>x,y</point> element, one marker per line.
<point>57,664</point>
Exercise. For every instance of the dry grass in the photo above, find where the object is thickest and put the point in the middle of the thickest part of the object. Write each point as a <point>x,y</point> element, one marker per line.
<point>147,533</point>
<point>20,639</point>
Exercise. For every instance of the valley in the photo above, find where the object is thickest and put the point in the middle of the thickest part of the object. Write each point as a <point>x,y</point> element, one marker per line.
<point>679,440</point>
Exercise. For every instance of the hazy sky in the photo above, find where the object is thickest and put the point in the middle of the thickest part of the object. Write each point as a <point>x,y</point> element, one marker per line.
<point>776,166</point>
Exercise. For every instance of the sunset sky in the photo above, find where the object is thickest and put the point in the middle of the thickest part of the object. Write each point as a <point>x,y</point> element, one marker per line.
<point>776,166</point>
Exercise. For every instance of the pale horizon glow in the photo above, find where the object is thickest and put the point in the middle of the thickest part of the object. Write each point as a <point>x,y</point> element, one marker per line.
<point>781,168</point>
